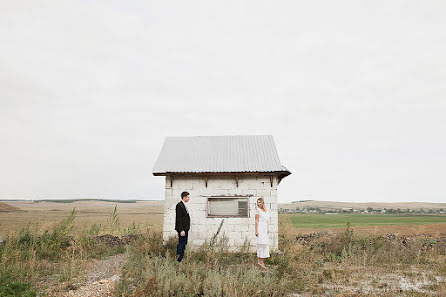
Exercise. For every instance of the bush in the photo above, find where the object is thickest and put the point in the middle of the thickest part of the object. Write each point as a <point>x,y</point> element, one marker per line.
<point>10,286</point>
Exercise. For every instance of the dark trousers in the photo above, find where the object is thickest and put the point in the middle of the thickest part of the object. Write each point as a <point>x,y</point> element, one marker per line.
<point>182,241</point>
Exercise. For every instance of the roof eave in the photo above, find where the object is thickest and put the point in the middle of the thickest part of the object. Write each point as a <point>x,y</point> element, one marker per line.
<point>282,174</point>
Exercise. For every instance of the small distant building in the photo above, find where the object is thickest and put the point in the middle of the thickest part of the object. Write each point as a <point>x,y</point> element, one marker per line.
<point>224,176</point>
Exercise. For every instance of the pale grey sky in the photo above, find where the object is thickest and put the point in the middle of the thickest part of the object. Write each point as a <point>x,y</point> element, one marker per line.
<point>352,91</point>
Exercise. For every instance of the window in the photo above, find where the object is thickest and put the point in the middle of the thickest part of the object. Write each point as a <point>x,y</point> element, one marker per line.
<point>227,207</point>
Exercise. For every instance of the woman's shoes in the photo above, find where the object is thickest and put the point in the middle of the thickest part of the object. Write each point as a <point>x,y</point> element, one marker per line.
<point>261,265</point>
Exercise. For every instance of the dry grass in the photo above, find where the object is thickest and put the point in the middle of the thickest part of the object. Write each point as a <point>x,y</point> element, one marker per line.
<point>7,208</point>
<point>349,262</point>
<point>344,264</point>
<point>44,214</point>
<point>436,230</point>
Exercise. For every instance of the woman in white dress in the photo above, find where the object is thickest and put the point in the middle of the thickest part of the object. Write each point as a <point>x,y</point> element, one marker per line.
<point>262,218</point>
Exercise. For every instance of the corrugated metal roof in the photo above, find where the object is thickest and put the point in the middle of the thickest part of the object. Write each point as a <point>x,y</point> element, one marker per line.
<point>218,154</point>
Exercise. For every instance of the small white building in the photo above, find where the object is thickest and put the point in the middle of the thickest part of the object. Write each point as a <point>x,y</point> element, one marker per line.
<point>224,176</point>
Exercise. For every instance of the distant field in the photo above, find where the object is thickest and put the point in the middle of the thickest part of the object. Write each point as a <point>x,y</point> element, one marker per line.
<point>44,214</point>
<point>317,221</point>
<point>149,214</point>
<point>334,205</point>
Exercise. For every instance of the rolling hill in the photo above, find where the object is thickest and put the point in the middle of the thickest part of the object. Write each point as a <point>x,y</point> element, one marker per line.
<point>7,208</point>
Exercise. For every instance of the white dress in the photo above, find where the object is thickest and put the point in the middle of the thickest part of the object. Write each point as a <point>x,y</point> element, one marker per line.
<point>262,239</point>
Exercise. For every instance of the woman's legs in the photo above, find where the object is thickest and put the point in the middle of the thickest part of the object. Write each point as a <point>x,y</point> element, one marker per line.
<point>262,253</point>
<point>260,261</point>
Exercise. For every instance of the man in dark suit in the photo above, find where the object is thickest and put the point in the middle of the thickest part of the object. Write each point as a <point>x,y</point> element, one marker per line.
<point>182,224</point>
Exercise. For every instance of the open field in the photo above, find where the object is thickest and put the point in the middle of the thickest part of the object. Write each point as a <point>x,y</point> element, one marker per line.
<point>43,214</point>
<point>150,214</point>
<point>335,205</point>
<point>413,225</point>
<point>63,253</point>
<point>318,221</point>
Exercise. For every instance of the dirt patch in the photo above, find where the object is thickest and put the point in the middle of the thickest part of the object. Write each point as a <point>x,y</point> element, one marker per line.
<point>372,283</point>
<point>100,279</point>
<point>8,208</point>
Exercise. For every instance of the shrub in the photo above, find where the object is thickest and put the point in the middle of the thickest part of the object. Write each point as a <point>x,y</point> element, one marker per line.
<point>10,286</point>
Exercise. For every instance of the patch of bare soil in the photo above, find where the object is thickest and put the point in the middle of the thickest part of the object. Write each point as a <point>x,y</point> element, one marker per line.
<point>360,281</point>
<point>99,280</point>
<point>378,284</point>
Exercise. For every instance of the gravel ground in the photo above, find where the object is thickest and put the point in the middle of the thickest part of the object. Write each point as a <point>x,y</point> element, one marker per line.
<point>100,278</point>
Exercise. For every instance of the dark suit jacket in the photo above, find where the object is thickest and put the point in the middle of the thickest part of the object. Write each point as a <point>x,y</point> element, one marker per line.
<point>182,218</point>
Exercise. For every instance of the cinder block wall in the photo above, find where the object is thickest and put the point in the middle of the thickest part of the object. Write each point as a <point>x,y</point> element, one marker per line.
<point>237,230</point>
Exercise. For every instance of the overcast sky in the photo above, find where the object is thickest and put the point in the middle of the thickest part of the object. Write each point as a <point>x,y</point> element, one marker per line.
<point>354,93</point>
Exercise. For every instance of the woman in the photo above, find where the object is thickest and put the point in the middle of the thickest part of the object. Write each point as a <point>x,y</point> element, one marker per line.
<point>262,218</point>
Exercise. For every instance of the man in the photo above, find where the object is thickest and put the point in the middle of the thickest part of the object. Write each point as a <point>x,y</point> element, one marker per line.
<point>182,224</point>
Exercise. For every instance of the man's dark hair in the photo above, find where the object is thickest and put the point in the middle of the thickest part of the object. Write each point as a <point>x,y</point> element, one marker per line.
<point>184,194</point>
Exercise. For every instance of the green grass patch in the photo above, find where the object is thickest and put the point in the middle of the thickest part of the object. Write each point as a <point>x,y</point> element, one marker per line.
<point>11,286</point>
<point>315,221</point>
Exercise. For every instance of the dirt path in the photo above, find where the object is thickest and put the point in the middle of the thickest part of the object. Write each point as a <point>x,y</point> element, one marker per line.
<point>100,278</point>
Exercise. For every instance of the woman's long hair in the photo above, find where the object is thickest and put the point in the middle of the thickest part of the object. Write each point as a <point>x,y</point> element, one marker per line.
<point>263,203</point>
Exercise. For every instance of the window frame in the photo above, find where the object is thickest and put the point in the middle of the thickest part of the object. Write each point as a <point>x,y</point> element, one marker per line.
<point>227,197</point>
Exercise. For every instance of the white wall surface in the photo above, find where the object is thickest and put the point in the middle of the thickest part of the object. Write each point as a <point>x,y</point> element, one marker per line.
<point>237,230</point>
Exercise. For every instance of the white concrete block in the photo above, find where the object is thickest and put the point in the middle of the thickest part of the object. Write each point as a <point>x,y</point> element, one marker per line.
<point>198,242</point>
<point>235,235</point>
<point>253,201</point>
<point>263,193</point>
<point>273,228</point>
<point>249,192</point>
<point>241,242</point>
<point>226,184</point>
<point>193,201</point>
<point>244,185</point>
<point>236,221</point>
<point>169,212</point>
<point>274,221</point>
<point>199,185</point>
<point>198,217</point>
<point>176,194</point>
<point>254,185</point>
<point>220,192</point>
<point>235,192</point>
<point>241,228</point>
<point>227,228</point>
<point>273,214</point>
<point>196,228</point>
<point>264,185</point>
